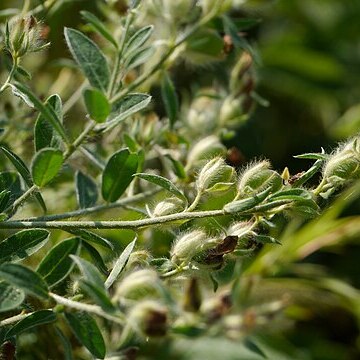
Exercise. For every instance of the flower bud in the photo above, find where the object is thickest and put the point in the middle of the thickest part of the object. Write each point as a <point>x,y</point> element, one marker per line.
<point>241,67</point>
<point>139,284</point>
<point>149,318</point>
<point>240,228</point>
<point>258,177</point>
<point>231,111</point>
<point>190,245</point>
<point>213,172</point>
<point>169,206</point>
<point>204,149</point>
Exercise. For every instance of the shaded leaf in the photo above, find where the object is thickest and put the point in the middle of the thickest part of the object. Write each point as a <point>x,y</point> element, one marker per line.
<point>67,348</point>
<point>24,278</point>
<point>118,174</point>
<point>57,264</point>
<point>138,57</point>
<point>120,264</point>
<point>138,39</point>
<point>86,190</point>
<point>45,165</point>
<point>87,332</point>
<point>22,244</point>
<point>10,296</point>
<point>163,182</point>
<point>44,132</point>
<point>96,257</point>
<point>92,237</point>
<point>96,104</point>
<point>169,98</point>
<point>37,318</point>
<point>89,57</point>
<point>24,172</point>
<point>98,26</point>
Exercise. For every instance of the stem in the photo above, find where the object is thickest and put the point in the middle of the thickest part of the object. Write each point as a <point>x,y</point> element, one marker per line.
<point>11,74</point>
<point>100,165</point>
<point>21,199</point>
<point>78,141</point>
<point>195,202</point>
<point>112,224</point>
<point>162,60</point>
<point>116,68</point>
<point>69,103</point>
<point>176,271</point>
<point>94,209</point>
<point>94,309</point>
<point>14,319</point>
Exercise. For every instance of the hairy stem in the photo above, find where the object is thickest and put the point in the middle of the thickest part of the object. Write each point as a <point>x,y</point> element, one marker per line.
<point>21,199</point>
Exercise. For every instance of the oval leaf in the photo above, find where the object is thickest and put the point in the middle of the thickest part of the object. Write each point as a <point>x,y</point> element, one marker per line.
<point>125,107</point>
<point>163,182</point>
<point>96,104</point>
<point>92,237</point>
<point>138,39</point>
<point>24,278</point>
<point>118,174</point>
<point>37,318</point>
<point>44,133</point>
<point>87,332</point>
<point>46,165</point>
<point>90,272</point>
<point>89,57</point>
<point>120,264</point>
<point>21,245</point>
<point>86,190</point>
<point>57,264</point>
<point>10,297</point>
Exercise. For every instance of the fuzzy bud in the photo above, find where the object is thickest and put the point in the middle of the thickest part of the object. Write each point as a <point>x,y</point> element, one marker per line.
<point>169,206</point>
<point>190,245</point>
<point>149,318</point>
<point>240,228</point>
<point>205,149</point>
<point>213,172</point>
<point>231,111</point>
<point>139,284</point>
<point>258,177</point>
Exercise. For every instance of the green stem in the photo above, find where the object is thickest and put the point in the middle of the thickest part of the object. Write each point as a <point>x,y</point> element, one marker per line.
<point>21,199</point>
<point>113,224</point>
<point>82,212</point>
<point>93,309</point>
<point>116,68</point>
<point>195,202</point>
<point>11,75</point>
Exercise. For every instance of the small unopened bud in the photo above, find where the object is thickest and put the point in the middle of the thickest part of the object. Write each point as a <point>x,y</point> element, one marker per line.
<point>139,284</point>
<point>258,177</point>
<point>149,318</point>
<point>240,228</point>
<point>204,149</point>
<point>213,172</point>
<point>190,245</point>
<point>231,111</point>
<point>345,163</point>
<point>169,206</point>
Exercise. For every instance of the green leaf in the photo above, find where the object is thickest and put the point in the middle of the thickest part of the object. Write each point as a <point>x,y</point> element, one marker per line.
<point>138,57</point>
<point>86,190</point>
<point>24,278</point>
<point>98,26</point>
<point>87,332</point>
<point>170,99</point>
<point>265,239</point>
<point>24,172</point>
<point>92,237</point>
<point>46,165</point>
<point>177,167</point>
<point>47,111</point>
<point>163,182</point>
<point>118,174</point>
<point>302,179</point>
<point>57,264</point>
<point>294,194</point>
<point>97,294</point>
<point>125,107</point>
<point>5,196</point>
<point>90,272</point>
<point>44,133</point>
<point>23,96</point>
<point>37,318</point>
<point>9,180</point>
<point>120,264</point>
<point>89,57</point>
<point>67,348</point>
<point>97,105</point>
<point>10,297</point>
<point>96,257</point>
<point>312,156</point>
<point>22,244</point>
<point>138,39</point>
<point>23,72</point>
